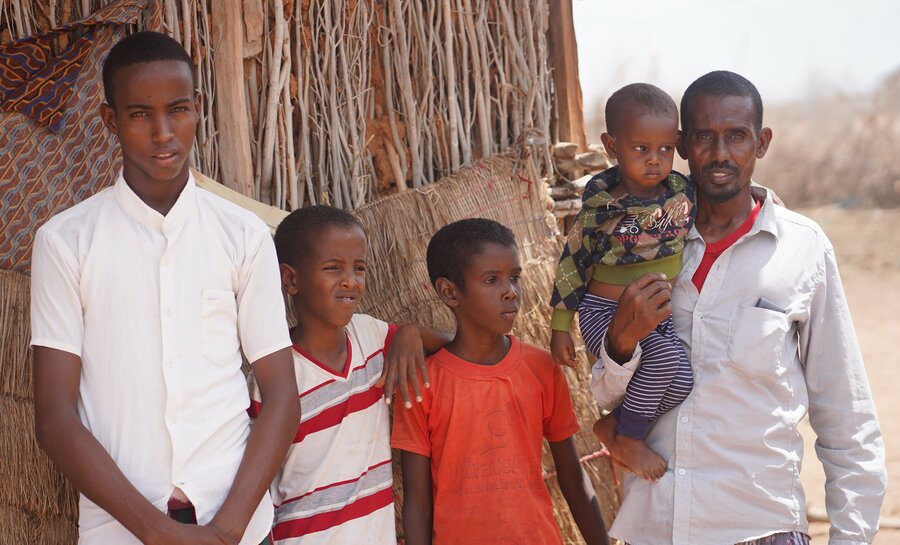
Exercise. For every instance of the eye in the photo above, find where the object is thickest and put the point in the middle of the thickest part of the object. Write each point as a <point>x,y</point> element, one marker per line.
<point>703,136</point>
<point>640,148</point>
<point>331,268</point>
<point>179,109</point>
<point>491,280</point>
<point>666,149</point>
<point>736,136</point>
<point>360,268</point>
<point>515,278</point>
<point>138,114</point>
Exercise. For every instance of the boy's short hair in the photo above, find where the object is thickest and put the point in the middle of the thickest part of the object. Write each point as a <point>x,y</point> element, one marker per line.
<point>451,249</point>
<point>722,83</point>
<point>145,46</point>
<point>650,97</point>
<point>295,233</point>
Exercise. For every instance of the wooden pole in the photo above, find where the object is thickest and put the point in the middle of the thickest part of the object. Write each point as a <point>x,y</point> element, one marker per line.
<point>563,51</point>
<point>231,105</point>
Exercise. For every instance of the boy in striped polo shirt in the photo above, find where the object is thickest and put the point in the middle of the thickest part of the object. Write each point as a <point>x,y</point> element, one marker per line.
<point>335,485</point>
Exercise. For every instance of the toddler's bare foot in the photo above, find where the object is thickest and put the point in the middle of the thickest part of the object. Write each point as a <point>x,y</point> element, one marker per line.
<point>632,454</point>
<point>640,458</point>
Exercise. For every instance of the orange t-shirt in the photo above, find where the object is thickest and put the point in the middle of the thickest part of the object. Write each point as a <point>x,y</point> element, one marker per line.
<point>482,427</point>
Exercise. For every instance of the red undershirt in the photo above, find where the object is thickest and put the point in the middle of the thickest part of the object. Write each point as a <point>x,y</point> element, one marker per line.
<point>715,249</point>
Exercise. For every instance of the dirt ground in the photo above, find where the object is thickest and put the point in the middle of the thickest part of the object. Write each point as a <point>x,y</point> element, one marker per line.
<point>871,275</point>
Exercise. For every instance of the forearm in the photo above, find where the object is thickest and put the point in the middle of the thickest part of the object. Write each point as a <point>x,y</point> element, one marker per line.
<point>269,439</point>
<point>89,467</point>
<point>579,494</point>
<point>433,340</point>
<point>418,504</point>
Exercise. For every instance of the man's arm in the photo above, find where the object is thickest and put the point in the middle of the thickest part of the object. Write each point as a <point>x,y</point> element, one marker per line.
<point>642,306</point>
<point>84,461</point>
<point>842,413</point>
<point>270,437</point>
<point>418,512</point>
<point>405,361</point>
<point>579,494</point>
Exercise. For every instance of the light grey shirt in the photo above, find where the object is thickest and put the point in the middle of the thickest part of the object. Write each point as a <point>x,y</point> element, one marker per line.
<point>770,339</point>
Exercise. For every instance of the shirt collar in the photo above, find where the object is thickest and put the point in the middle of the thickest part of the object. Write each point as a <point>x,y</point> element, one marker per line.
<point>184,207</point>
<point>765,221</point>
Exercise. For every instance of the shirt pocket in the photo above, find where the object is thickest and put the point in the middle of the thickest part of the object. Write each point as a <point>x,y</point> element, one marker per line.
<point>218,328</point>
<point>756,339</point>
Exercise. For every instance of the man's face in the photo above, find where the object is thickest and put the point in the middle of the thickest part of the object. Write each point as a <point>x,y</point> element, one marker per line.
<point>722,145</point>
<point>155,118</point>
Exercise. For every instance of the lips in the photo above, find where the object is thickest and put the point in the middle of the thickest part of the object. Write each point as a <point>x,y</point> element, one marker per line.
<point>347,298</point>
<point>166,157</point>
<point>510,312</point>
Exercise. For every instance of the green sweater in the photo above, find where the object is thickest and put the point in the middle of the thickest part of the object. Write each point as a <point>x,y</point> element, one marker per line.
<point>616,240</point>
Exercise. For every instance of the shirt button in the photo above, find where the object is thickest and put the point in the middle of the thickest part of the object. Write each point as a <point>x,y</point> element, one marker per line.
<point>166,261</point>
<point>684,420</point>
<point>681,472</point>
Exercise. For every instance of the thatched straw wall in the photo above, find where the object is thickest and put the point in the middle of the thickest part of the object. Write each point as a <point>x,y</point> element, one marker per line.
<point>503,188</point>
<point>37,504</point>
<point>337,101</point>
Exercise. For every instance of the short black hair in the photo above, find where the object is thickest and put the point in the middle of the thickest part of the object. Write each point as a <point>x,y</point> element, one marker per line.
<point>296,232</point>
<point>452,248</point>
<point>721,83</point>
<point>145,46</point>
<point>649,97</point>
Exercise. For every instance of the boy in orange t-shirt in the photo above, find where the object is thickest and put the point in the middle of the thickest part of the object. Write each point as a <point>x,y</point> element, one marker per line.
<point>471,451</point>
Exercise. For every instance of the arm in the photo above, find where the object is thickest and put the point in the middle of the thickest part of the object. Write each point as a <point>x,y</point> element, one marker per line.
<point>842,413</point>
<point>84,461</point>
<point>418,512</point>
<point>267,445</point>
<point>405,361</point>
<point>576,488</point>
<point>643,305</point>
<point>569,286</point>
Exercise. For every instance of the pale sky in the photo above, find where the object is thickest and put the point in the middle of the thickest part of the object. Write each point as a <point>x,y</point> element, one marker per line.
<point>791,49</point>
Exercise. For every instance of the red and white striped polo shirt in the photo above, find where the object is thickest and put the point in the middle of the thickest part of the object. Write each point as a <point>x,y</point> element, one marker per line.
<point>335,486</point>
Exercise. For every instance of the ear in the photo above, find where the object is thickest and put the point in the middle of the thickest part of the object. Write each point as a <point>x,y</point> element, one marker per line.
<point>198,102</point>
<point>108,115</point>
<point>765,138</point>
<point>447,291</point>
<point>609,143</point>
<point>682,152</point>
<point>289,278</point>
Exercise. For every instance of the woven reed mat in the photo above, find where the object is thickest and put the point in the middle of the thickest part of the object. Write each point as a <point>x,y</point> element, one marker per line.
<point>398,290</point>
<point>37,504</point>
<point>42,172</point>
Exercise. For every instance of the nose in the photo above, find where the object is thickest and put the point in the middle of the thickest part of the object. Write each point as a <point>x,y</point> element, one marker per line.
<point>162,129</point>
<point>653,158</point>
<point>719,149</point>
<point>350,279</point>
<point>510,291</point>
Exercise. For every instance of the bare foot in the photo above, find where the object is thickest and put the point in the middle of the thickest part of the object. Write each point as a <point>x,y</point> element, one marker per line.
<point>641,458</point>
<point>633,454</point>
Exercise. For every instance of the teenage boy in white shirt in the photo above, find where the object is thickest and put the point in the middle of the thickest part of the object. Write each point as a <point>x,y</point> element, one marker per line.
<point>143,297</point>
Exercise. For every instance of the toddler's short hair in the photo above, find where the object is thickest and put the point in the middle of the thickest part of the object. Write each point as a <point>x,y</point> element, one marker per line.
<point>650,97</point>
<point>295,233</point>
<point>145,46</point>
<point>452,248</point>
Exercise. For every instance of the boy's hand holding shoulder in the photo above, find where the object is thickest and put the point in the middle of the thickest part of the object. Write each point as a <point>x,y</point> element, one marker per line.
<point>404,363</point>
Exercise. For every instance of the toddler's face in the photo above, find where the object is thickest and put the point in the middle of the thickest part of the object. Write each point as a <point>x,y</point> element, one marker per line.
<point>645,149</point>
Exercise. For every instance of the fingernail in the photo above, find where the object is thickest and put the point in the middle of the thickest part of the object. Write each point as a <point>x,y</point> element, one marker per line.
<point>418,399</point>
<point>408,405</point>
<point>387,401</point>
<point>663,275</point>
<point>428,385</point>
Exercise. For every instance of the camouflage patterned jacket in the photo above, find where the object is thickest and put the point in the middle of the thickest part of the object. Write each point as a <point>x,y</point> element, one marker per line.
<point>616,240</point>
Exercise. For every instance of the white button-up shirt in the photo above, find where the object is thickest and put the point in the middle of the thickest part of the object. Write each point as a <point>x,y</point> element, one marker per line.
<point>159,309</point>
<point>770,339</point>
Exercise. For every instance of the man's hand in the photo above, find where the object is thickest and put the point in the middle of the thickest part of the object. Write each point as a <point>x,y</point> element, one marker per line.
<point>643,305</point>
<point>176,533</point>
<point>562,348</point>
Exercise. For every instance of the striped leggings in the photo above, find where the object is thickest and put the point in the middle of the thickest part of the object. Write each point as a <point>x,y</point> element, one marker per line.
<point>664,378</point>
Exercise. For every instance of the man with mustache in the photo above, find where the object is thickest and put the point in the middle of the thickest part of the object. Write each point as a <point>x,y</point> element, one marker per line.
<point>761,312</point>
